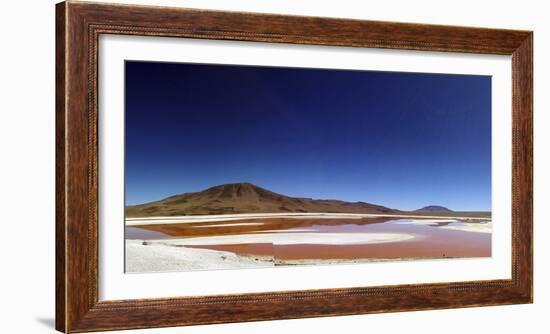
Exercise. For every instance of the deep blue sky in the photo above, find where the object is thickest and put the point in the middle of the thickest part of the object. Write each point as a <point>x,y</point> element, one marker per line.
<point>403,140</point>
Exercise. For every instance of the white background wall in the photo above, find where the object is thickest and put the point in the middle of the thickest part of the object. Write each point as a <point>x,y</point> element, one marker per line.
<point>27,165</point>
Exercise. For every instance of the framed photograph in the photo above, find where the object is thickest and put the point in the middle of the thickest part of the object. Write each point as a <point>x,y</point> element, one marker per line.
<point>222,166</point>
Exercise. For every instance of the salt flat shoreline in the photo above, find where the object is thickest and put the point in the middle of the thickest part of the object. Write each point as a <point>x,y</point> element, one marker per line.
<point>159,257</point>
<point>172,255</point>
<point>479,227</point>
<point>179,254</point>
<point>163,220</point>
<point>293,238</point>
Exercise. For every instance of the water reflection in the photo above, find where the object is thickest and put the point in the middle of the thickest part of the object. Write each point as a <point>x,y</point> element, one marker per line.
<point>444,238</point>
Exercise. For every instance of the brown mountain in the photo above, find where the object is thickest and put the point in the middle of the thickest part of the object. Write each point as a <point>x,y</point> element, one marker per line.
<point>245,198</point>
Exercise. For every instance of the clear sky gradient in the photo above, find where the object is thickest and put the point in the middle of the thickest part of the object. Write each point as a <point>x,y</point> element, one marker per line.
<point>403,140</point>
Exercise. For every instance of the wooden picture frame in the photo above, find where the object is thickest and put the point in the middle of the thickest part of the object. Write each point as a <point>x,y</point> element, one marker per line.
<point>78,26</point>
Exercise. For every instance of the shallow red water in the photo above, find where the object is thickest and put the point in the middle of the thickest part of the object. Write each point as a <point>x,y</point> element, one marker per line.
<point>429,241</point>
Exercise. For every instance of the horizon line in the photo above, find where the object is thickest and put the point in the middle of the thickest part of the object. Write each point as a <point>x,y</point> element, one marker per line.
<point>298,197</point>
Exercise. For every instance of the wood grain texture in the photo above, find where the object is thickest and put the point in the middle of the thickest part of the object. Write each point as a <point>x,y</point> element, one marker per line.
<point>78,26</point>
<point>60,181</point>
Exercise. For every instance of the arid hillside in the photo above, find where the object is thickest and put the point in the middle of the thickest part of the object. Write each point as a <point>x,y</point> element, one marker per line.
<point>246,198</point>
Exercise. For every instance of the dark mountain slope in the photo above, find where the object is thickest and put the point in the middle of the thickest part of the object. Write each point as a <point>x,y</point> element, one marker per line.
<point>245,198</point>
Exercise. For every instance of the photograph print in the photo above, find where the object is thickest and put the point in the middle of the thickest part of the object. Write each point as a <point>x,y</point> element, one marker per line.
<point>234,167</point>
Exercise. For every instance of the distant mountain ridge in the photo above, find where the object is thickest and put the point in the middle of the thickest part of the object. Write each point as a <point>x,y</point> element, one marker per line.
<point>434,208</point>
<point>246,198</point>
